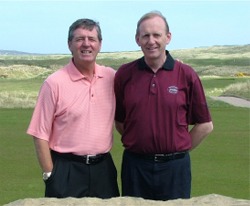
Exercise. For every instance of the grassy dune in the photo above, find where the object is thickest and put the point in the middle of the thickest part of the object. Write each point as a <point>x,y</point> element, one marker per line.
<point>21,76</point>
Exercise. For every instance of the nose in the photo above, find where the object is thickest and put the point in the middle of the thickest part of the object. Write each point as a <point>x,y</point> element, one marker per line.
<point>151,39</point>
<point>85,42</point>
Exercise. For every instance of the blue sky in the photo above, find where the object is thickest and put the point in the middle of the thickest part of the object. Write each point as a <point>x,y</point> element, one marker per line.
<point>41,26</point>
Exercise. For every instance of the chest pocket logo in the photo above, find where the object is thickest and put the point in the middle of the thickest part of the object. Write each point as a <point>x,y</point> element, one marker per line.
<point>173,90</point>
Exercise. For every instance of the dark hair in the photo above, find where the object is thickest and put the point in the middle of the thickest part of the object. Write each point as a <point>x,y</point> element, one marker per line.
<point>150,15</point>
<point>88,24</point>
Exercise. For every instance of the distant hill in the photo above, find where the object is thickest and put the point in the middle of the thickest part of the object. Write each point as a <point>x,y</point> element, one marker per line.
<point>207,61</point>
<point>13,52</point>
<point>227,49</point>
<point>243,48</point>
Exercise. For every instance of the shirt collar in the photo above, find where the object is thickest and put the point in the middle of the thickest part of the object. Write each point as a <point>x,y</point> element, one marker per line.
<point>168,64</point>
<point>75,75</point>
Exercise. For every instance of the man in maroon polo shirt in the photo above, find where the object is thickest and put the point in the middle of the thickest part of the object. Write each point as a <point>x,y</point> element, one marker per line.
<point>157,98</point>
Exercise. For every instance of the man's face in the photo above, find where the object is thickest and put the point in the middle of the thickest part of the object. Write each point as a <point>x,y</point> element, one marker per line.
<point>85,45</point>
<point>153,37</point>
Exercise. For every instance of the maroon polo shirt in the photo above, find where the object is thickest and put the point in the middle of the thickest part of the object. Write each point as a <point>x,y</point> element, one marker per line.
<point>156,108</point>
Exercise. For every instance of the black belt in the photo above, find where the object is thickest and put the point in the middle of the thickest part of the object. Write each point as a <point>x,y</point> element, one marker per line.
<point>86,159</point>
<point>160,157</point>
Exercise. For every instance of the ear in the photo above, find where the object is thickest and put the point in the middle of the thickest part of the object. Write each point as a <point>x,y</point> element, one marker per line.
<point>137,40</point>
<point>168,37</point>
<point>69,46</point>
<point>100,46</point>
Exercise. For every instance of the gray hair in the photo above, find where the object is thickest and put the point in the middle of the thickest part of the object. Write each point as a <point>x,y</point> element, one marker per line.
<point>88,24</point>
<point>150,15</point>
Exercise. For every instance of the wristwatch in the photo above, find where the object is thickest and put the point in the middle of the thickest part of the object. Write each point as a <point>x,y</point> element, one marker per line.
<point>46,175</point>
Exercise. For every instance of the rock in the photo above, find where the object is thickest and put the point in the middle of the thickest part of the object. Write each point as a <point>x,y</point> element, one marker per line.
<point>208,200</point>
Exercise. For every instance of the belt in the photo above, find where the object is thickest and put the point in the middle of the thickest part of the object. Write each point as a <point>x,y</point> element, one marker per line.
<point>160,157</point>
<point>86,159</point>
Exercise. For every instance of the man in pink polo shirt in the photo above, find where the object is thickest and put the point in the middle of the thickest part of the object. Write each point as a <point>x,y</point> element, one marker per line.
<point>72,123</point>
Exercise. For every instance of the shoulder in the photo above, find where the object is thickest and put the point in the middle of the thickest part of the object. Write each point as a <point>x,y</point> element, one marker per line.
<point>108,70</point>
<point>185,69</point>
<point>127,68</point>
<point>58,77</point>
<point>183,66</point>
<point>129,65</point>
<point>105,71</point>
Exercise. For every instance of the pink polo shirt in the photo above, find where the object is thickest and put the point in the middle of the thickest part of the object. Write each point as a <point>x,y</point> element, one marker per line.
<point>73,114</point>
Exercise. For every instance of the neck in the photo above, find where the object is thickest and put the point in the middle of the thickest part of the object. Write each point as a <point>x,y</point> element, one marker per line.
<point>86,69</point>
<point>156,64</point>
<point>89,74</point>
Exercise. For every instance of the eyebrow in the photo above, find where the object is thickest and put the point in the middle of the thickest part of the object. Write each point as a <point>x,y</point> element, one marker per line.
<point>82,37</point>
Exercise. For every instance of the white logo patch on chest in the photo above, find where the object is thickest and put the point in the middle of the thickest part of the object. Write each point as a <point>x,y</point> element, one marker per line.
<point>173,90</point>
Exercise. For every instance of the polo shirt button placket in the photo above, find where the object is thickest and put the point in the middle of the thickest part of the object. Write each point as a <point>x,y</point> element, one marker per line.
<point>92,97</point>
<point>153,88</point>
<point>92,94</point>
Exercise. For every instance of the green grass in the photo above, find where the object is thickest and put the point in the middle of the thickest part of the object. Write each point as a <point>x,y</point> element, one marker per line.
<point>221,163</point>
<point>20,173</point>
<point>25,85</point>
<point>218,62</point>
<point>219,166</point>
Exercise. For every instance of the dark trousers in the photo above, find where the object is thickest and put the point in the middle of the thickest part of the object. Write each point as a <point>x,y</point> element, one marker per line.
<point>77,179</point>
<point>156,180</point>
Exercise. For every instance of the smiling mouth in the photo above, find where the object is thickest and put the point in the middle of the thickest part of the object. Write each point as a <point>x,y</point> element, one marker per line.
<point>86,52</point>
<point>151,49</point>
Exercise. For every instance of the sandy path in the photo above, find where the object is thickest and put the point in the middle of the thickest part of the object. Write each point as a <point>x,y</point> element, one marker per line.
<point>238,102</point>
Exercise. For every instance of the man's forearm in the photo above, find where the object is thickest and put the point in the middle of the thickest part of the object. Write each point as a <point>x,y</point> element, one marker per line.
<point>119,127</point>
<point>43,154</point>
<point>199,132</point>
